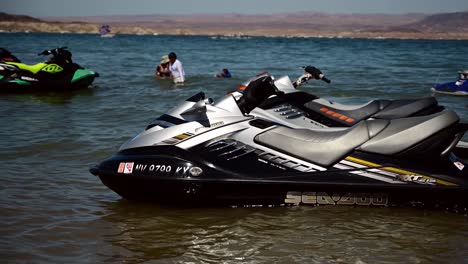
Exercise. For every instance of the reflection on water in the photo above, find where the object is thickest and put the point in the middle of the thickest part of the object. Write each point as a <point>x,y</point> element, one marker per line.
<point>54,211</point>
<point>293,234</point>
<point>53,98</point>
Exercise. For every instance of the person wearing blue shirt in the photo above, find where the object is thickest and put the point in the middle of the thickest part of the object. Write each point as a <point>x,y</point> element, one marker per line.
<point>224,74</point>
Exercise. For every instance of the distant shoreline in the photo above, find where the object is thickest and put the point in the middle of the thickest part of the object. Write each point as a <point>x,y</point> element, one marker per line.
<point>449,26</point>
<point>80,28</point>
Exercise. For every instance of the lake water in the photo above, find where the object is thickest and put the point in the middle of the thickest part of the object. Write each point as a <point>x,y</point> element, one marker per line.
<point>52,210</point>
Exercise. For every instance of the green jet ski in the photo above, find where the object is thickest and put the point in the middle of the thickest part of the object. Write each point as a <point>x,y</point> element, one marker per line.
<point>59,73</point>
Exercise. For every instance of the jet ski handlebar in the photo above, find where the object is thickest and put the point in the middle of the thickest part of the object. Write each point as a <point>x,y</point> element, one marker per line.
<point>259,89</point>
<point>311,72</point>
<point>54,52</point>
<point>59,55</point>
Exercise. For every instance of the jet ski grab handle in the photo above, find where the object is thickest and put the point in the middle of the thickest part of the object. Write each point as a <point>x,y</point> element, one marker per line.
<point>310,73</point>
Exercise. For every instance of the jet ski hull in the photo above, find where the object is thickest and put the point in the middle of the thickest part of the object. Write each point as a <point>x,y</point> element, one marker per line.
<point>253,193</point>
<point>461,150</point>
<point>452,88</point>
<point>23,84</point>
<point>177,177</point>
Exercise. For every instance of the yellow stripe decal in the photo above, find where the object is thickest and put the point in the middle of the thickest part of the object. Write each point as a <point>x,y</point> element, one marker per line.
<point>396,170</point>
<point>362,162</point>
<point>182,136</point>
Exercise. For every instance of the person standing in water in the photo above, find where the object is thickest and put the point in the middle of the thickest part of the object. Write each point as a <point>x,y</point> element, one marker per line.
<point>176,68</point>
<point>162,71</point>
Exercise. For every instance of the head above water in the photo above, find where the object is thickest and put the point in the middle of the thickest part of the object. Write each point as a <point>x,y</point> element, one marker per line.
<point>172,57</point>
<point>164,59</point>
<point>463,74</point>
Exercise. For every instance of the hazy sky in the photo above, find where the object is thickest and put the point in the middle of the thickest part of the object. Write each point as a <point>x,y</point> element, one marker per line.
<point>47,8</point>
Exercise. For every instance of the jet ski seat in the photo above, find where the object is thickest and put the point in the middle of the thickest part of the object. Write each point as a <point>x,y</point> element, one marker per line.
<point>31,68</point>
<point>379,109</point>
<point>328,146</point>
<point>405,107</point>
<point>320,146</point>
<point>403,133</point>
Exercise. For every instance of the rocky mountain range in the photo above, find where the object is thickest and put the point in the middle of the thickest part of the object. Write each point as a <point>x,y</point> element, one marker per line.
<point>303,24</point>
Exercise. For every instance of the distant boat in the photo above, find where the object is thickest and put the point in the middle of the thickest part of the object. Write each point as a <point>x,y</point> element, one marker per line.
<point>232,36</point>
<point>105,31</point>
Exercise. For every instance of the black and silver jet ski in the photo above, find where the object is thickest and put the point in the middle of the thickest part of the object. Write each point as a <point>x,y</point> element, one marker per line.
<point>59,73</point>
<point>207,153</point>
